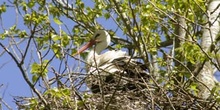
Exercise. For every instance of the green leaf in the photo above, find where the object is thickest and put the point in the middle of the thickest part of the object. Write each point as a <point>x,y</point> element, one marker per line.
<point>193,88</point>
<point>31,4</point>
<point>34,68</point>
<point>57,21</point>
<point>66,92</point>
<point>55,37</point>
<point>13,28</point>
<point>57,50</point>
<point>39,69</point>
<point>22,34</point>
<point>3,35</point>
<point>80,103</point>
<point>107,15</point>
<point>2,8</point>
<point>65,39</point>
<point>34,78</point>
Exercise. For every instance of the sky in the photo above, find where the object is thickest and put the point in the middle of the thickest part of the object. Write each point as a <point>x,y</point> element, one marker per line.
<point>10,75</point>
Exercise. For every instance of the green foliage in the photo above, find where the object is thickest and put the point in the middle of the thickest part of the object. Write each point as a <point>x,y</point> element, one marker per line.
<point>13,32</point>
<point>39,70</point>
<point>57,21</point>
<point>22,34</point>
<point>191,53</point>
<point>61,94</point>
<point>193,88</point>
<point>31,4</point>
<point>34,104</point>
<point>58,93</point>
<point>60,41</point>
<point>57,50</point>
<point>54,10</point>
<point>215,92</point>
<point>2,8</point>
<point>54,29</point>
<point>35,18</point>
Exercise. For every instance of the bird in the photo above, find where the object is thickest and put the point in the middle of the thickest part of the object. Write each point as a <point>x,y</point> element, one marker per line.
<point>113,69</point>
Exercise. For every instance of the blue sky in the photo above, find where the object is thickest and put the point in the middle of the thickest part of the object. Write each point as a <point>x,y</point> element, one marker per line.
<point>10,75</point>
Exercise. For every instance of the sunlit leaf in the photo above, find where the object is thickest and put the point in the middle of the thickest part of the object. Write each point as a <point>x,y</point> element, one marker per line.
<point>57,21</point>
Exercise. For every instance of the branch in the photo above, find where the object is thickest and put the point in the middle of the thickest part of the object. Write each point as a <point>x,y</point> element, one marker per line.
<point>24,74</point>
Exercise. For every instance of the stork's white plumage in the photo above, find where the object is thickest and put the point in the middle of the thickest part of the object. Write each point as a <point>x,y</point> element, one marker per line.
<point>110,63</point>
<point>101,40</point>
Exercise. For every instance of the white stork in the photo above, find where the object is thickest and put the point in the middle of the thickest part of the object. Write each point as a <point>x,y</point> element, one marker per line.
<point>111,65</point>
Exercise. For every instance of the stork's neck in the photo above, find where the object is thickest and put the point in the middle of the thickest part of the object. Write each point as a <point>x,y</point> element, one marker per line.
<point>91,56</point>
<point>97,49</point>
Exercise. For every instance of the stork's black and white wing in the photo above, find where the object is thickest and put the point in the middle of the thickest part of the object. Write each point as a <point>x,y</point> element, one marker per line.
<point>122,73</point>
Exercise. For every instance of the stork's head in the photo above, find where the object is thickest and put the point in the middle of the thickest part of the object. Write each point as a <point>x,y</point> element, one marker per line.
<point>101,39</point>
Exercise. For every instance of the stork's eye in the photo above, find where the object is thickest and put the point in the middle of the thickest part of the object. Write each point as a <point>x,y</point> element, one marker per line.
<point>97,35</point>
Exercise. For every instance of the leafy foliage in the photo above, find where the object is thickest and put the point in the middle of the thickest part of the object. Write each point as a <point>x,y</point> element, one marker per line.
<point>39,70</point>
<point>164,34</point>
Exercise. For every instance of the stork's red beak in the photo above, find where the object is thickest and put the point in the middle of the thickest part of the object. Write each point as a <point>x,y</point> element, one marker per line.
<point>89,44</point>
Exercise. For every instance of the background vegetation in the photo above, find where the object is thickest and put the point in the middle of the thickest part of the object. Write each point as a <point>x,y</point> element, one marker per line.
<point>177,40</point>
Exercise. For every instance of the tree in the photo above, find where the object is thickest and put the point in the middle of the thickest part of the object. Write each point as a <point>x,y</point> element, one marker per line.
<point>178,41</point>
